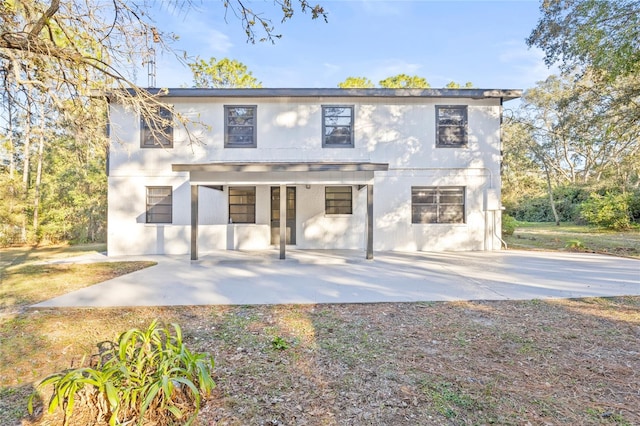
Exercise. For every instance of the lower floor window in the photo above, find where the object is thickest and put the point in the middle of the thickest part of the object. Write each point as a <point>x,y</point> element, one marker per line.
<point>338,200</point>
<point>159,204</point>
<point>437,204</point>
<point>242,204</point>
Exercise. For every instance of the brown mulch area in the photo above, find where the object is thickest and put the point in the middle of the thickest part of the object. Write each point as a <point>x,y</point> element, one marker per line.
<point>556,362</point>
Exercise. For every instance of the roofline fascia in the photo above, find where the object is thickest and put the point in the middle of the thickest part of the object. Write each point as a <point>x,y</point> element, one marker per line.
<point>505,94</point>
<point>261,167</point>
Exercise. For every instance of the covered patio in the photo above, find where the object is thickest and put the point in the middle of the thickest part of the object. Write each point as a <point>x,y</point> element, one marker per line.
<point>216,175</point>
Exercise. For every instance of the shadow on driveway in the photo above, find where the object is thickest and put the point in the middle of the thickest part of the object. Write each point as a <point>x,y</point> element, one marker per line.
<point>342,276</point>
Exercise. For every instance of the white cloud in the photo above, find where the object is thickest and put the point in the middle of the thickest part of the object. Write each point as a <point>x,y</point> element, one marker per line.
<point>331,68</point>
<point>216,42</point>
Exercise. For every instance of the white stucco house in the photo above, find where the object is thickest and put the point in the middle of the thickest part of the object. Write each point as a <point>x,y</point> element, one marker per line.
<point>362,169</point>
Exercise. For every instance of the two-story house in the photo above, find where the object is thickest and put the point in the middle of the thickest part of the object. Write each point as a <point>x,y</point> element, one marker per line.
<point>361,169</point>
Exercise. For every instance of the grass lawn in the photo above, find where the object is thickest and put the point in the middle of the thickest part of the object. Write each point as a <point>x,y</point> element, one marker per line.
<point>548,236</point>
<point>560,362</point>
<point>27,277</point>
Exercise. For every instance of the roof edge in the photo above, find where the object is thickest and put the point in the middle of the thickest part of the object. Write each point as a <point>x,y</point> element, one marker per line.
<point>505,94</point>
<point>284,166</point>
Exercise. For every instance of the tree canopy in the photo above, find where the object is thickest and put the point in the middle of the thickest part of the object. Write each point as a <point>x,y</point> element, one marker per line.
<point>356,83</point>
<point>455,85</point>
<point>580,128</point>
<point>404,81</point>
<point>603,35</point>
<point>400,81</point>
<point>58,58</point>
<point>223,73</point>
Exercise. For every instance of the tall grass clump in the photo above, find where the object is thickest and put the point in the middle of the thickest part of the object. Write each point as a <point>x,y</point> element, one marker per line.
<point>146,376</point>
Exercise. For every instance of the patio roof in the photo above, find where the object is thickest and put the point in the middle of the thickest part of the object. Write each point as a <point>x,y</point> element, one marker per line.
<point>213,174</point>
<point>281,167</point>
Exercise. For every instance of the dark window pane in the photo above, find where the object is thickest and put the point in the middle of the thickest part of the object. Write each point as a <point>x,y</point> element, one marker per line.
<point>424,214</point>
<point>452,135</point>
<point>337,125</point>
<point>451,197</point>
<point>159,204</point>
<point>437,205</point>
<point>424,196</point>
<point>451,125</point>
<point>242,205</point>
<point>451,214</point>
<point>338,200</point>
<point>156,130</point>
<point>240,126</point>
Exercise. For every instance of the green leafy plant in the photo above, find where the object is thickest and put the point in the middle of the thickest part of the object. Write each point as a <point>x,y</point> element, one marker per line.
<point>609,210</point>
<point>147,375</point>
<point>575,245</point>
<point>278,343</point>
<point>509,225</point>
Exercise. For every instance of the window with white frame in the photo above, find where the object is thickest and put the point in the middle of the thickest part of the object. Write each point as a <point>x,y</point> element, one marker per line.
<point>437,204</point>
<point>159,204</point>
<point>242,204</point>
<point>337,126</point>
<point>338,200</point>
<point>240,126</point>
<point>156,128</point>
<point>451,126</point>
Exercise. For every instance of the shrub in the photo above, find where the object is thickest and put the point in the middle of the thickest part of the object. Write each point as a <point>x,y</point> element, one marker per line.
<point>609,210</point>
<point>509,225</point>
<point>146,376</point>
<point>634,206</point>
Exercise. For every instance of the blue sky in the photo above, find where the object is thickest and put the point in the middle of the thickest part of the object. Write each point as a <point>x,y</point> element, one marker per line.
<point>478,41</point>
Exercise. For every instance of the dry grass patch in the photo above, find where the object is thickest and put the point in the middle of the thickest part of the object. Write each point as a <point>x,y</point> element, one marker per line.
<point>559,362</point>
<point>555,362</point>
<point>548,236</point>
<point>28,276</point>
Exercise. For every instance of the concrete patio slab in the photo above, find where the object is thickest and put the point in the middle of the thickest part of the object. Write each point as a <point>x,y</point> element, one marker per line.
<point>317,276</point>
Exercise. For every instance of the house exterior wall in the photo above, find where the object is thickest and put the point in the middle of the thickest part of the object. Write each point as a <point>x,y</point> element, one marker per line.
<point>397,131</point>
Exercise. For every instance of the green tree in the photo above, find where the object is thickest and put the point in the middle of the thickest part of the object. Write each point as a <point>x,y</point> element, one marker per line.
<point>223,73</point>
<point>576,129</point>
<point>404,81</point>
<point>598,34</point>
<point>356,83</point>
<point>56,56</point>
<point>522,177</point>
<point>454,85</point>
<point>608,210</point>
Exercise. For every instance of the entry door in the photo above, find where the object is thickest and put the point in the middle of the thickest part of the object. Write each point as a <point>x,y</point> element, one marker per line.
<point>275,215</point>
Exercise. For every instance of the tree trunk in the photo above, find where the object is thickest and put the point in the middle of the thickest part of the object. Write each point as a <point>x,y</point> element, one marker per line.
<point>26,166</point>
<point>36,195</point>
<point>552,202</point>
<point>12,147</point>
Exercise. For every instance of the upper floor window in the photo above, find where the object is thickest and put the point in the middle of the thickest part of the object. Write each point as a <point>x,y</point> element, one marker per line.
<point>159,204</point>
<point>242,204</point>
<point>240,126</point>
<point>451,126</point>
<point>337,126</point>
<point>338,200</point>
<point>156,128</point>
<point>433,204</point>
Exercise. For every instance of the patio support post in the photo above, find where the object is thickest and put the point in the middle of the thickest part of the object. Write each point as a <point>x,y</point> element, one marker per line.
<point>194,222</point>
<point>370,221</point>
<point>283,220</point>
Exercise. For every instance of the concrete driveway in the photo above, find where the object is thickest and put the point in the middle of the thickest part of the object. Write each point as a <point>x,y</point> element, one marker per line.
<point>317,276</point>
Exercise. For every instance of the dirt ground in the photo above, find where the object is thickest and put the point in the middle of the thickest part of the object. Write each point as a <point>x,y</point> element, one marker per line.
<point>552,362</point>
